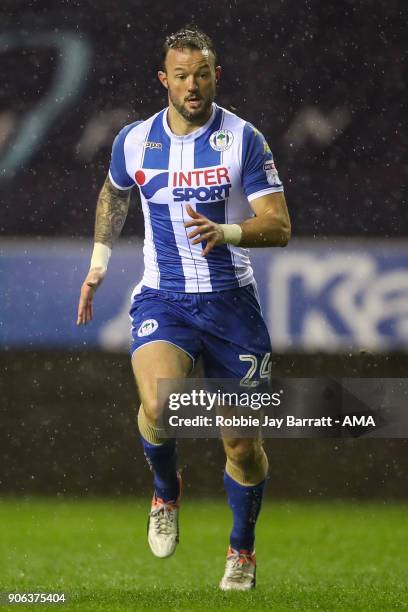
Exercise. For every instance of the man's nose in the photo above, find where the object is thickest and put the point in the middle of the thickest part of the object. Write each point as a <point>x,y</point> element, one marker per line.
<point>192,83</point>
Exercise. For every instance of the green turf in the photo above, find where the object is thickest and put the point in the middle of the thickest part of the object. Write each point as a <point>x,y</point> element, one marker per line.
<point>322,556</point>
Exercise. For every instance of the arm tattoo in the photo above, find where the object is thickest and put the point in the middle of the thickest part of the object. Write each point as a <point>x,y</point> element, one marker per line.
<point>111,212</point>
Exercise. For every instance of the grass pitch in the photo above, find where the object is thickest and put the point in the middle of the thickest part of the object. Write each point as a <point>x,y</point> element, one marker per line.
<point>327,556</point>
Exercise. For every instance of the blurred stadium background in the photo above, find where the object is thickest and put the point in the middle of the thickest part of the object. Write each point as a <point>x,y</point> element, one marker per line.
<point>325,83</point>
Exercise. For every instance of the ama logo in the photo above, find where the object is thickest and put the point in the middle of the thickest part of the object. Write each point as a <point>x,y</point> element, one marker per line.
<point>201,185</point>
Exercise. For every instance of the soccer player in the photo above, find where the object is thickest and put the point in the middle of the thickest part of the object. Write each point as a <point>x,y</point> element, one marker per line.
<point>209,190</point>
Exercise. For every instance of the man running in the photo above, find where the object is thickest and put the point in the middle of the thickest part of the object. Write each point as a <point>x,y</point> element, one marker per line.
<point>209,190</point>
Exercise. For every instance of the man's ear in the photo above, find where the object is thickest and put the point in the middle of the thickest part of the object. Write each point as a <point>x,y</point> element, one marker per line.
<point>218,71</point>
<point>162,76</point>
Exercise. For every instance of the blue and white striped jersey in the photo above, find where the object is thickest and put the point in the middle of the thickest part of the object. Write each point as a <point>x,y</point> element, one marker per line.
<point>217,169</point>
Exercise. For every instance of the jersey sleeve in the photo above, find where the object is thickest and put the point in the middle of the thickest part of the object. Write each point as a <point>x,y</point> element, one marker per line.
<point>117,169</point>
<point>259,174</point>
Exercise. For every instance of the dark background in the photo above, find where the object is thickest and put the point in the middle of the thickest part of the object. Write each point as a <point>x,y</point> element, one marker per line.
<point>325,83</point>
<point>283,63</point>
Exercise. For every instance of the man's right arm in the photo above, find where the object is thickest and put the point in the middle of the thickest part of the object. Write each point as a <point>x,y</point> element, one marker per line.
<point>111,212</point>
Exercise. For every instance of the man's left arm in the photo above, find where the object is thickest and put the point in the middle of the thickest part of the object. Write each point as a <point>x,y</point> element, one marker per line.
<point>271,225</point>
<point>269,228</point>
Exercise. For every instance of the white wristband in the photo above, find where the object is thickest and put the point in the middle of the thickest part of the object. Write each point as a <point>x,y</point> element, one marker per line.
<point>232,233</point>
<point>100,256</point>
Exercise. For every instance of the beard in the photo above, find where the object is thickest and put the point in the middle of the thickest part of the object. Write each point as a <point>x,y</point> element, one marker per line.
<point>197,116</point>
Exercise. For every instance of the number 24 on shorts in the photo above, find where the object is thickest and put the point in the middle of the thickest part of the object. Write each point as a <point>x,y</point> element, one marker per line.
<point>264,370</point>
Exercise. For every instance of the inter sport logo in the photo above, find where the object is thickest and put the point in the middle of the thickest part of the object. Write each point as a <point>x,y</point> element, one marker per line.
<point>202,185</point>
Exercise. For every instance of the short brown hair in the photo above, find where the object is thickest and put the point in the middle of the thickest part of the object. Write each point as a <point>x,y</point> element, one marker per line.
<point>188,37</point>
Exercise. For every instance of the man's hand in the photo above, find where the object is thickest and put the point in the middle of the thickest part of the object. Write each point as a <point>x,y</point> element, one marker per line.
<point>205,230</point>
<point>93,279</point>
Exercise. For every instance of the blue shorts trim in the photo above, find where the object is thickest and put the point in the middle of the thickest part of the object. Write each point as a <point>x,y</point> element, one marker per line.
<point>168,342</point>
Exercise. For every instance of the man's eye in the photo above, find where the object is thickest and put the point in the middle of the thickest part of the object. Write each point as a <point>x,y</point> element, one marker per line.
<point>180,76</point>
<point>204,75</point>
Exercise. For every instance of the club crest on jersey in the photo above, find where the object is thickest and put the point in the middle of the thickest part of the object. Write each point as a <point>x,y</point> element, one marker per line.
<point>271,172</point>
<point>147,327</point>
<point>221,140</point>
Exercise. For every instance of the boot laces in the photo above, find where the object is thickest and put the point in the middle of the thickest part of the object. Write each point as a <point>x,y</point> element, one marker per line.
<point>163,516</point>
<point>240,560</point>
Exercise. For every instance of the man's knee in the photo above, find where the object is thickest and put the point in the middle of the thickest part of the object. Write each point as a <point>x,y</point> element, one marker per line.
<point>152,409</point>
<point>247,462</point>
<point>242,451</point>
<point>150,426</point>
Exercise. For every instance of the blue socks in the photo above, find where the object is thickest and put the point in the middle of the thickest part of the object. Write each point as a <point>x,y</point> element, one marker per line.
<point>162,459</point>
<point>245,503</point>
